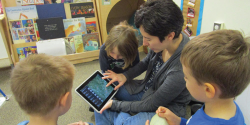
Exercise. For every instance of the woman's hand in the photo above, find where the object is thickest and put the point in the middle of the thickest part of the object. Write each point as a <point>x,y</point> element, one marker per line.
<point>115,77</point>
<point>107,106</point>
<point>171,118</point>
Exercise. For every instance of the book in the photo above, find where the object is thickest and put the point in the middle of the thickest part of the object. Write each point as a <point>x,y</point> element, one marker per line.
<point>79,1</point>
<point>50,28</point>
<point>91,27</point>
<point>55,47</point>
<point>37,31</point>
<point>21,12</point>
<point>66,1</point>
<point>90,41</point>
<point>50,11</point>
<point>32,2</point>
<point>78,44</point>
<point>29,50</point>
<point>20,53</point>
<point>1,7</point>
<point>23,31</point>
<point>51,1</point>
<point>82,10</point>
<point>70,41</point>
<point>76,26</point>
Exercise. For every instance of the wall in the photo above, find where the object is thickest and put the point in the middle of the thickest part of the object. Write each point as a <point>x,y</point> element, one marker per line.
<point>3,52</point>
<point>233,13</point>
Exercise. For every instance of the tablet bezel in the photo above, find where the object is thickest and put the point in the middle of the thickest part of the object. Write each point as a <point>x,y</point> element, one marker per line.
<point>81,86</point>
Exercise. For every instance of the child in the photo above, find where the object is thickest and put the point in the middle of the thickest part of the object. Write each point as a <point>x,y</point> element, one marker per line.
<point>43,88</point>
<point>120,50</point>
<point>217,69</point>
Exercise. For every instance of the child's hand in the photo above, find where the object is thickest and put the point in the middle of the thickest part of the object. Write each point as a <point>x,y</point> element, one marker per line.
<point>115,77</point>
<point>171,118</point>
<point>107,106</point>
<point>79,123</point>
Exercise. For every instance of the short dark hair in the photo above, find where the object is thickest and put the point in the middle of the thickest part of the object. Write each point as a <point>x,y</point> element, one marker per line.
<point>159,18</point>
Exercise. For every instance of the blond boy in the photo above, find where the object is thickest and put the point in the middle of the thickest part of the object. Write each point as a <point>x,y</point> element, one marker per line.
<point>42,87</point>
<point>217,69</point>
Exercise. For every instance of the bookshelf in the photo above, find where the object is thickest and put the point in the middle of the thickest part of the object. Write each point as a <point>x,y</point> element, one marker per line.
<point>73,58</point>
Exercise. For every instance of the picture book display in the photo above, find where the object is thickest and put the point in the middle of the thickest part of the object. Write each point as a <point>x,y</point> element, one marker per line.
<point>50,28</point>
<point>21,12</point>
<point>50,11</point>
<point>78,44</point>
<point>90,41</point>
<point>75,26</point>
<point>91,27</point>
<point>24,52</point>
<point>82,10</point>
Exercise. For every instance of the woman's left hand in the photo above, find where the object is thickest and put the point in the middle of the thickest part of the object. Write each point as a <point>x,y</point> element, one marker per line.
<point>107,106</point>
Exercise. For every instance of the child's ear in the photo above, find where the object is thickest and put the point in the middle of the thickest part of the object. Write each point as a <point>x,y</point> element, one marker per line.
<point>64,99</point>
<point>210,90</point>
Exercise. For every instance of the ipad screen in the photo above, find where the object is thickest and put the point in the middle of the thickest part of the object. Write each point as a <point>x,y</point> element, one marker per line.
<point>95,92</point>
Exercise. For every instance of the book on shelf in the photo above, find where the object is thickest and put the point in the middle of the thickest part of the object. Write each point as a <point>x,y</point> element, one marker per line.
<point>55,47</point>
<point>24,52</point>
<point>30,50</point>
<point>75,26</point>
<point>66,1</point>
<point>90,41</point>
<point>1,7</point>
<point>32,2</point>
<point>78,44</point>
<point>91,27</point>
<point>70,42</point>
<point>50,28</point>
<point>82,10</point>
<point>21,12</point>
<point>51,1</point>
<point>51,10</point>
<point>79,1</point>
<point>23,31</point>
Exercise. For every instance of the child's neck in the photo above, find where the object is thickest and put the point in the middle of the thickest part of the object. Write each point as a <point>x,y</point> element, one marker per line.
<point>221,108</point>
<point>43,120</point>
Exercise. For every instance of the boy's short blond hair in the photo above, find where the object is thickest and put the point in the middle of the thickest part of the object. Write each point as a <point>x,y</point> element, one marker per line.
<point>123,37</point>
<point>220,57</point>
<point>39,81</point>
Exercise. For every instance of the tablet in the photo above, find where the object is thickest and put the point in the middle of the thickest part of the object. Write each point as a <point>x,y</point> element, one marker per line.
<point>94,91</point>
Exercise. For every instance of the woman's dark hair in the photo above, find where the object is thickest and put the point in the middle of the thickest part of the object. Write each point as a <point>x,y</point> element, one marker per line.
<point>159,18</point>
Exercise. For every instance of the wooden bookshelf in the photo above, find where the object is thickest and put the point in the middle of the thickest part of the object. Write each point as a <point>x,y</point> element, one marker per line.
<point>73,58</point>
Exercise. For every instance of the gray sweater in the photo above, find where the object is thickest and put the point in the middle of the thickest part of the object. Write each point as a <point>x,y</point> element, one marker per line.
<point>168,89</point>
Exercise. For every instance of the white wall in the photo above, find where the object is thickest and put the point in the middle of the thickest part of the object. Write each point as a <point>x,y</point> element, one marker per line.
<point>233,13</point>
<point>3,52</point>
<point>178,2</point>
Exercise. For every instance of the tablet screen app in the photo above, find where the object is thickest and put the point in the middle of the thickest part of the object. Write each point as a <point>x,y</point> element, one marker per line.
<point>96,90</point>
